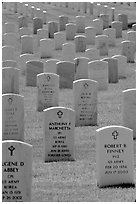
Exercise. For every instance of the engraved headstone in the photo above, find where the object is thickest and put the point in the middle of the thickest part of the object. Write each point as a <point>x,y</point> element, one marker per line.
<point>33,67</point>
<point>60,39</point>
<point>124,19</point>
<point>101,42</point>
<point>111,33</point>
<point>16,171</point>
<point>90,34</point>
<point>129,110</point>
<point>66,72</point>
<point>98,9</point>
<point>98,25</point>
<point>68,52</point>
<point>85,102</point>
<point>37,24</point>
<point>118,27</point>
<point>52,28</point>
<point>81,68</point>
<point>122,65</point>
<point>63,20</point>
<point>80,43</point>
<point>129,50</point>
<point>27,44</point>
<point>112,69</point>
<point>10,80</point>
<point>98,71</point>
<point>47,90</point>
<point>22,21</point>
<point>114,156</point>
<point>9,63</point>
<point>12,117</point>
<point>46,48</point>
<point>8,53</point>
<point>80,24</point>
<point>50,66</point>
<point>105,19</point>
<point>41,34</point>
<point>59,125</point>
<point>92,54</point>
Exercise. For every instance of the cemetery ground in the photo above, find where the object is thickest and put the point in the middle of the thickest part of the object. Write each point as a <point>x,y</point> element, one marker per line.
<point>76,181</point>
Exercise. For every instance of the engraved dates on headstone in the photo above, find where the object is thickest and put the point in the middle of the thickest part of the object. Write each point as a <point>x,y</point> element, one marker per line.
<point>114,156</point>
<point>59,124</point>
<point>16,171</point>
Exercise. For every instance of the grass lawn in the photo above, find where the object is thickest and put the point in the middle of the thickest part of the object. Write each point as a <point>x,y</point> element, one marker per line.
<point>75,181</point>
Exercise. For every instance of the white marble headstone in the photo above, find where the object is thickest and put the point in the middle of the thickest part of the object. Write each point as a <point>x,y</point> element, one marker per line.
<point>12,117</point>
<point>80,43</point>
<point>111,33</point>
<point>46,48</point>
<point>70,31</point>
<point>50,66</point>
<point>16,171</point>
<point>68,52</point>
<point>117,25</point>
<point>27,44</point>
<point>92,54</point>
<point>10,80</point>
<point>10,39</point>
<point>98,25</point>
<point>63,20</point>
<point>80,24</point>
<point>81,68</point>
<point>129,109</point>
<point>8,53</point>
<point>37,24</point>
<point>129,50</point>
<point>66,72</point>
<point>90,34</point>
<point>122,65</point>
<point>47,90</point>
<point>52,28</point>
<point>124,19</point>
<point>98,71</point>
<point>85,102</point>
<point>114,156</point>
<point>59,125</point>
<point>41,34</point>
<point>10,27</point>
<point>59,39</point>
<point>9,63</point>
<point>101,42</point>
<point>33,67</point>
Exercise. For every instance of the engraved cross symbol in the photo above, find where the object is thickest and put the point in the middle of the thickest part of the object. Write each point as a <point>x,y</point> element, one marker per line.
<point>59,113</point>
<point>115,134</point>
<point>48,78</point>
<point>10,100</point>
<point>85,85</point>
<point>11,148</point>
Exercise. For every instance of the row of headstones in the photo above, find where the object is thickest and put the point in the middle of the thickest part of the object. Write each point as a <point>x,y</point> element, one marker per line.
<point>32,11</point>
<point>85,105</point>
<point>114,155</point>
<point>47,45</point>
<point>107,70</point>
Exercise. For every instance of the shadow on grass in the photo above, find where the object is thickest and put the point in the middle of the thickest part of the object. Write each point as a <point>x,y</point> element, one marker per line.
<point>123,185</point>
